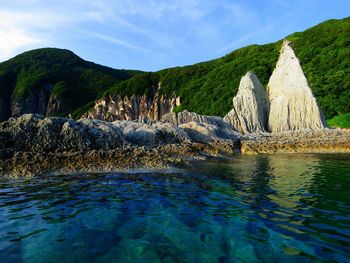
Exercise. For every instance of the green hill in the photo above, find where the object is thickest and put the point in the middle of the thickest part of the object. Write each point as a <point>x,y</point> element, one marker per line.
<point>54,75</point>
<point>71,84</point>
<point>208,87</point>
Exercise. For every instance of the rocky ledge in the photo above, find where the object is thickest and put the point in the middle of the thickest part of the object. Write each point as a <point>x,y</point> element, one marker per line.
<point>305,141</point>
<point>34,145</point>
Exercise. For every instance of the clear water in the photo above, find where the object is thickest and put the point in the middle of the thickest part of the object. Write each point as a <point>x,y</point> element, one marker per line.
<point>278,208</point>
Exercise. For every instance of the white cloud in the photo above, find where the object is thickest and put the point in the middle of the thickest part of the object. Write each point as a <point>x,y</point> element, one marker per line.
<point>14,39</point>
<point>147,28</point>
<point>117,41</point>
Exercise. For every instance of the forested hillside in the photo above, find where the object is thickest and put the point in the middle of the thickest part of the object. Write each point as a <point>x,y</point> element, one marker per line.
<point>31,81</point>
<point>208,87</point>
<point>70,84</point>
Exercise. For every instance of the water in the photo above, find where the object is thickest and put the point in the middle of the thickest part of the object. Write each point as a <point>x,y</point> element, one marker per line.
<point>278,208</point>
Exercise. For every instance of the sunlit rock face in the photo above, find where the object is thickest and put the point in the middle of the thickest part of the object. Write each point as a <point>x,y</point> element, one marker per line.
<point>292,103</point>
<point>133,108</point>
<point>250,106</point>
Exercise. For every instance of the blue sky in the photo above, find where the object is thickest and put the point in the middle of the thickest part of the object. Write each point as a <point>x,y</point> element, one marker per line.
<point>155,34</point>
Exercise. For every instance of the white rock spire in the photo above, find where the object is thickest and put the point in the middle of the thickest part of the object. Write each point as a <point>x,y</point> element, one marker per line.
<point>292,103</point>
<point>250,106</point>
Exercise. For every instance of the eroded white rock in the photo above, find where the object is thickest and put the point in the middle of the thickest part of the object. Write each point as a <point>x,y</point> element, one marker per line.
<point>292,103</point>
<point>250,106</point>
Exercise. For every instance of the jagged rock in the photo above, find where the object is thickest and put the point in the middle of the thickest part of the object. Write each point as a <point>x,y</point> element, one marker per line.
<point>200,132</point>
<point>250,106</point>
<point>32,132</point>
<point>35,102</point>
<point>205,129</point>
<point>292,103</point>
<point>208,133</point>
<point>186,117</point>
<point>136,107</point>
<point>151,134</point>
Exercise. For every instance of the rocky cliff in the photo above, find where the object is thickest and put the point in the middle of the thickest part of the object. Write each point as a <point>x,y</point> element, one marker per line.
<point>41,101</point>
<point>292,103</point>
<point>135,107</point>
<point>250,106</point>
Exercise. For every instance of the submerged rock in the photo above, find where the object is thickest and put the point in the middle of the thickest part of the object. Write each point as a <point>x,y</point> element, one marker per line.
<point>250,106</point>
<point>292,103</point>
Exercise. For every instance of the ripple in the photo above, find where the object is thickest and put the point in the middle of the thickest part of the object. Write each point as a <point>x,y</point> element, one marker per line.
<point>293,208</point>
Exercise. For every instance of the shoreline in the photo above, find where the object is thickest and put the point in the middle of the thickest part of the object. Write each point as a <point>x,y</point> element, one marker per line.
<point>32,145</point>
<point>29,164</point>
<point>32,164</point>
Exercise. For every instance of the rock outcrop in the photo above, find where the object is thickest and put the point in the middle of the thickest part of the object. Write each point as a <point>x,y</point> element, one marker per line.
<point>318,141</point>
<point>34,145</point>
<point>32,132</point>
<point>40,101</point>
<point>289,106</point>
<point>134,108</point>
<point>250,106</point>
<point>186,117</point>
<point>292,103</point>
<point>203,129</point>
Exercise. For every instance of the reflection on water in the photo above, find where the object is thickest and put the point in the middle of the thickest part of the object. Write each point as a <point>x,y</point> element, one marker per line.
<point>276,208</point>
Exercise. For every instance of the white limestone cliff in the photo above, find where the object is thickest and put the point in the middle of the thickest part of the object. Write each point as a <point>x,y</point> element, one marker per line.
<point>250,106</point>
<point>292,103</point>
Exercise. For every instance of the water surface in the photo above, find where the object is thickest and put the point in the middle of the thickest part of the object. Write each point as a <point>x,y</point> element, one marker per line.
<point>274,208</point>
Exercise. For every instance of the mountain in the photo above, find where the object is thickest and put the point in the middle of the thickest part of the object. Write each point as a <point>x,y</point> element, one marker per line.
<point>52,81</point>
<point>208,87</point>
<point>205,88</point>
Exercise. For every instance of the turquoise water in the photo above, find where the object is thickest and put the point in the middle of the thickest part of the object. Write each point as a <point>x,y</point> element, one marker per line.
<point>278,208</point>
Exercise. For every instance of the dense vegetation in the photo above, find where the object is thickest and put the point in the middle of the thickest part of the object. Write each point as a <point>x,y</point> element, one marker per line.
<point>341,121</point>
<point>61,73</point>
<point>208,87</point>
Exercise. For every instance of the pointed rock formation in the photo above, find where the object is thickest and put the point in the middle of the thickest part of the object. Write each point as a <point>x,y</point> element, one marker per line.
<point>292,103</point>
<point>133,108</point>
<point>250,106</point>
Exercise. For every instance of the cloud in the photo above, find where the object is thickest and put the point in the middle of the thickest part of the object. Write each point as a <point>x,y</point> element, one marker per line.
<point>117,41</point>
<point>15,39</point>
<point>172,30</point>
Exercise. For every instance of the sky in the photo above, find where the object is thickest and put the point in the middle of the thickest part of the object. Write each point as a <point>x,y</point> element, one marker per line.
<point>155,34</point>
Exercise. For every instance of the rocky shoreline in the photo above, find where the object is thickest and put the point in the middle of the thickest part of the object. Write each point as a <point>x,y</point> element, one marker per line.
<point>34,145</point>
<point>320,141</point>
